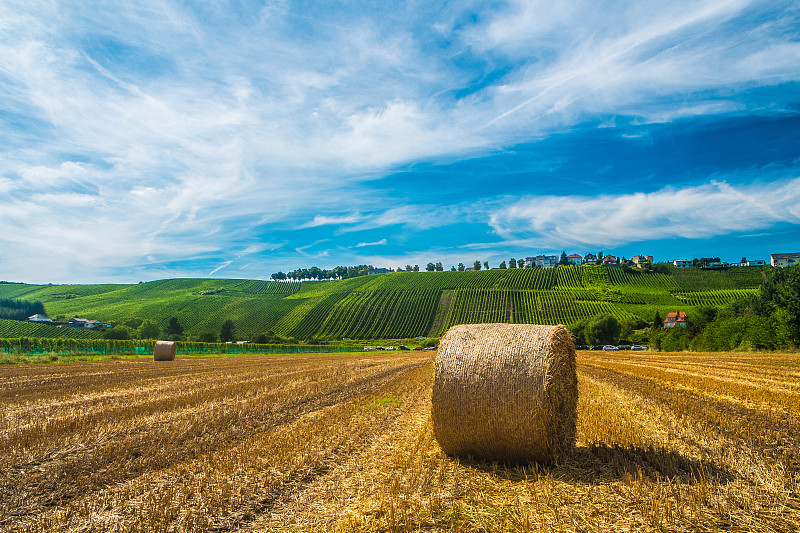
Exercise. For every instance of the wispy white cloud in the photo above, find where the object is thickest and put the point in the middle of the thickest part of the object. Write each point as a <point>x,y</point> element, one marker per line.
<point>381,242</point>
<point>717,208</point>
<point>220,267</point>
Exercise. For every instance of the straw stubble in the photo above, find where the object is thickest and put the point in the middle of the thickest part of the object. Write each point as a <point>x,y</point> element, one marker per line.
<point>506,392</point>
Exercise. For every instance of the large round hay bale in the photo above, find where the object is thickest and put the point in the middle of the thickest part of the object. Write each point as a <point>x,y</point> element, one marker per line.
<point>164,351</point>
<point>506,392</point>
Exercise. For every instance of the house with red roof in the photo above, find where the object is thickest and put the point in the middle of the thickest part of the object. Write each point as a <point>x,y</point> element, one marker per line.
<point>676,318</point>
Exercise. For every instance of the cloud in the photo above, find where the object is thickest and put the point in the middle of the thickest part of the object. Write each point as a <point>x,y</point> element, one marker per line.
<point>323,220</point>
<point>717,208</point>
<point>381,242</point>
<point>220,267</point>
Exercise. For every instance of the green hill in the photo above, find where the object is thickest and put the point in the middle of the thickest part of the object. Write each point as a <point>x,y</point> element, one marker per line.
<point>395,305</point>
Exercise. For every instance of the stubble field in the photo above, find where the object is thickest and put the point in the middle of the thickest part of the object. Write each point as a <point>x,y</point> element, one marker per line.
<point>666,442</point>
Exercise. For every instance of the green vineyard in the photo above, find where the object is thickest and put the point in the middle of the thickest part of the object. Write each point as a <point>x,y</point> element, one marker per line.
<point>16,328</point>
<point>395,305</point>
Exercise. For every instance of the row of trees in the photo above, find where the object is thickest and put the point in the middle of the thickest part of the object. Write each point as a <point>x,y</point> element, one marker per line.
<point>339,272</point>
<point>150,329</point>
<point>20,309</point>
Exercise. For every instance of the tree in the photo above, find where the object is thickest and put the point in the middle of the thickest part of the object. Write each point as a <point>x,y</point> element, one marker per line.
<point>439,267</point>
<point>657,322</point>
<point>416,268</point>
<point>476,265</point>
<point>599,258</point>
<point>461,267</point>
<point>579,332</point>
<point>502,265</point>
<point>119,333</point>
<point>452,269</point>
<point>512,263</point>
<point>207,336</point>
<point>602,329</point>
<point>563,260</point>
<point>486,265</point>
<point>782,289</point>
<point>174,328</point>
<point>430,267</point>
<point>227,332</point>
<point>409,268</point>
<point>630,324</point>
<point>148,329</point>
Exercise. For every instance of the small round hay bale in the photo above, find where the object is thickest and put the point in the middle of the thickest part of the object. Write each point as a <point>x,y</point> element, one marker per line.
<point>164,351</point>
<point>506,392</point>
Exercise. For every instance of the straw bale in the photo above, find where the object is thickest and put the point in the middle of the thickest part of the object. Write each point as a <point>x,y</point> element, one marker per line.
<point>506,392</point>
<point>164,351</point>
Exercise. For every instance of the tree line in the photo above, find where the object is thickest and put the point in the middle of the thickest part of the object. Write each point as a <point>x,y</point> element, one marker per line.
<point>339,272</point>
<point>20,309</point>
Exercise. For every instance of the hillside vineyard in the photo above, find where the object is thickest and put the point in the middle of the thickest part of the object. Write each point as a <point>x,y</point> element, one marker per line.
<point>385,306</point>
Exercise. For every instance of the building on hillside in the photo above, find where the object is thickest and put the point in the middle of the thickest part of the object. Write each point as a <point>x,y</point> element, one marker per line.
<point>683,263</point>
<point>639,260</point>
<point>590,259</point>
<point>39,318</point>
<point>784,260</point>
<point>546,261</point>
<point>745,263</point>
<point>711,262</point>
<point>575,259</point>
<point>675,319</point>
<point>611,261</point>
<point>379,271</point>
<point>528,262</point>
<point>85,323</point>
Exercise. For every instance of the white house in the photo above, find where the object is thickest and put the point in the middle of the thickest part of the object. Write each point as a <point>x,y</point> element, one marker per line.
<point>682,263</point>
<point>546,261</point>
<point>784,260</point>
<point>575,259</point>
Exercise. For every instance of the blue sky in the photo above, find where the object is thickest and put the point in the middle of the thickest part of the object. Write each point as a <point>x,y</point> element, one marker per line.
<point>151,139</point>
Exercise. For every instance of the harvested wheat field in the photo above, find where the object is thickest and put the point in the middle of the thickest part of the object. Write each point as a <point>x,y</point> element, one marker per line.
<point>666,442</point>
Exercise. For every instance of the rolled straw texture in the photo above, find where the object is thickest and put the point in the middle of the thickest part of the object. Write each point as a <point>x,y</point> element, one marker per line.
<point>506,392</point>
<point>164,351</point>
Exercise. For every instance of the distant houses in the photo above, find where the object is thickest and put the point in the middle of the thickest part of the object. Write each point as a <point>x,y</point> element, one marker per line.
<point>683,263</point>
<point>745,263</point>
<point>39,318</point>
<point>575,259</point>
<point>85,323</point>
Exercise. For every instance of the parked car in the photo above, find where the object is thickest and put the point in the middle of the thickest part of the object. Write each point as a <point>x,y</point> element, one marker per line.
<point>380,348</point>
<point>418,348</point>
<point>610,348</point>
<point>403,347</point>
<point>638,347</point>
<point>582,347</point>
<point>624,346</point>
<point>430,348</point>
<point>598,347</point>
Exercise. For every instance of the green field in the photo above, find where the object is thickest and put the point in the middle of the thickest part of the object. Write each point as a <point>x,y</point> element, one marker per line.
<point>386,306</point>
